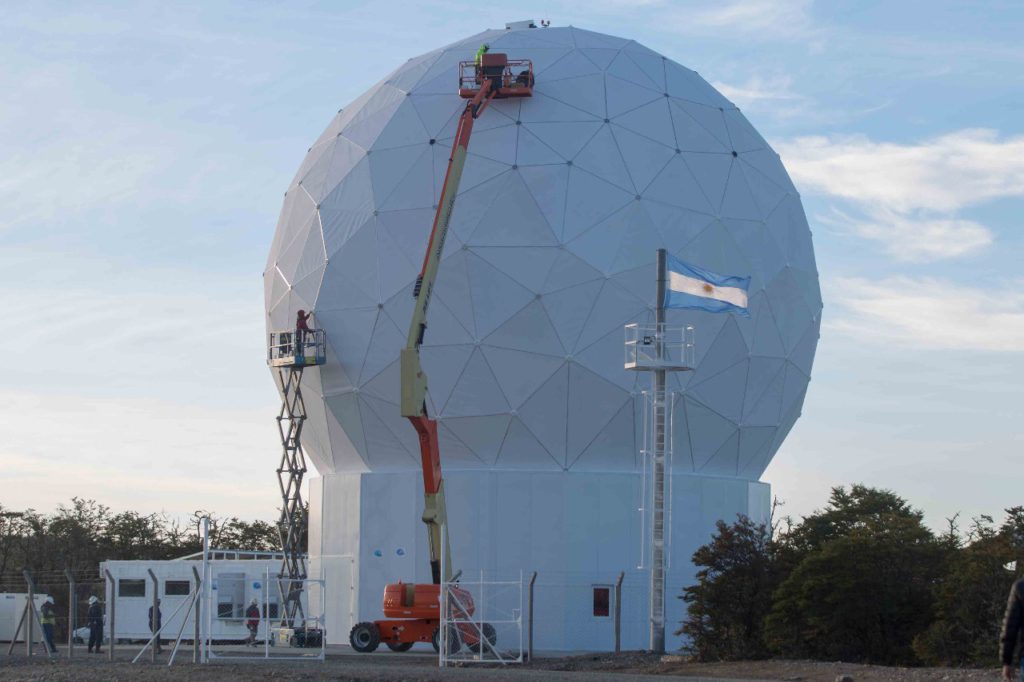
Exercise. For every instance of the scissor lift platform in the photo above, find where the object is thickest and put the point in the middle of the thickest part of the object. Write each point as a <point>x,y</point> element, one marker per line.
<point>282,351</point>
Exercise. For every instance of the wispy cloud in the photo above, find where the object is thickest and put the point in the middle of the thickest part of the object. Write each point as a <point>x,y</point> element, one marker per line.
<point>912,239</point>
<point>758,89</point>
<point>943,173</point>
<point>929,313</point>
<point>907,195</point>
<point>776,17</point>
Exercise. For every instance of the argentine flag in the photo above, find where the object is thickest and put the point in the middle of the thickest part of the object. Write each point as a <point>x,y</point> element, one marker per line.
<point>691,287</point>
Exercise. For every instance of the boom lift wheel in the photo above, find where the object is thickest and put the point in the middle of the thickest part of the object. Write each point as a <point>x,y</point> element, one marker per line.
<point>364,637</point>
<point>454,643</point>
<point>400,646</point>
<point>489,634</point>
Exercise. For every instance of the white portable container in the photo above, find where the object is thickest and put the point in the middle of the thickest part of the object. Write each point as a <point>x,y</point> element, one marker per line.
<point>237,577</point>
<point>11,607</point>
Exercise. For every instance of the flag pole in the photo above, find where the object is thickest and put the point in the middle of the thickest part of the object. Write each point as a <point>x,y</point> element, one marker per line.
<point>657,643</point>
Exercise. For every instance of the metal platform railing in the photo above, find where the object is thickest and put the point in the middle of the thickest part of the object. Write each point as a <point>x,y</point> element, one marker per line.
<point>653,347</point>
<point>296,348</point>
<point>516,78</point>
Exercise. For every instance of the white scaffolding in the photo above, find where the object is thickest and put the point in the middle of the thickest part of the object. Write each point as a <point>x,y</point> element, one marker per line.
<point>481,621</point>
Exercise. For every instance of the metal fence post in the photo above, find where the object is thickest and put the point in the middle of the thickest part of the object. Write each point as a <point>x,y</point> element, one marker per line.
<point>112,603</point>
<point>195,615</point>
<point>529,645</point>
<point>153,616</point>
<point>31,607</point>
<point>72,609</point>
<point>618,612</point>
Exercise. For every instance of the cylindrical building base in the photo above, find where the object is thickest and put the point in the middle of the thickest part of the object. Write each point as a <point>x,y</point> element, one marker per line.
<point>578,530</point>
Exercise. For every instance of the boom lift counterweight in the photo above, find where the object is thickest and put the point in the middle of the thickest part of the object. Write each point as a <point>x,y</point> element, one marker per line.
<point>415,610</point>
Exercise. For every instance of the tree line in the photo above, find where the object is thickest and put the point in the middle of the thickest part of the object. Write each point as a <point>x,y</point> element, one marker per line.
<point>861,580</point>
<point>78,536</point>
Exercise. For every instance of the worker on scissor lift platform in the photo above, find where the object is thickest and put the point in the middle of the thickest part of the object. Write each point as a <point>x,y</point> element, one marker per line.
<point>301,328</point>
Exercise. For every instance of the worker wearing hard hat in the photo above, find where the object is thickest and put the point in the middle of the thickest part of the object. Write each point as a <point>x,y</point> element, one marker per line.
<point>48,618</point>
<point>94,619</point>
<point>252,615</point>
<point>481,51</point>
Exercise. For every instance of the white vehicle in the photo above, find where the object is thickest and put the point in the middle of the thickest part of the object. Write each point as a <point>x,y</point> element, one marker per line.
<point>82,635</point>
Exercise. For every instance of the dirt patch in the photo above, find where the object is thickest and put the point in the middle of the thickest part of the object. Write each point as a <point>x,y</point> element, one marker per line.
<point>787,671</point>
<point>345,666</point>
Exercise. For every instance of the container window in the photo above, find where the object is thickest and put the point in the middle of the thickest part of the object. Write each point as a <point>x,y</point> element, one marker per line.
<point>177,588</point>
<point>230,595</point>
<point>602,601</point>
<point>131,587</point>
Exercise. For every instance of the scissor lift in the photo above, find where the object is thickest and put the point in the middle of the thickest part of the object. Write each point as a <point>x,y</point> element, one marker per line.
<point>291,352</point>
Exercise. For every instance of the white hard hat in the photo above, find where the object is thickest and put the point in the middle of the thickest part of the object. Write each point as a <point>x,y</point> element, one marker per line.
<point>49,599</point>
<point>93,600</point>
<point>253,602</point>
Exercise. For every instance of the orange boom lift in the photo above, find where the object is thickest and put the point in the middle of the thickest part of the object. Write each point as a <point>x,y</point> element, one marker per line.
<point>413,612</point>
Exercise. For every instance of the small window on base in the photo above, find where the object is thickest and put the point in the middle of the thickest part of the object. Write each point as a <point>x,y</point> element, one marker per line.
<point>602,601</point>
<point>129,587</point>
<point>177,588</point>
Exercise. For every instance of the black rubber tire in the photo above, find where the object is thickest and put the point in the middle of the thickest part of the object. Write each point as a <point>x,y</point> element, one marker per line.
<point>489,634</point>
<point>364,637</point>
<point>454,641</point>
<point>399,647</point>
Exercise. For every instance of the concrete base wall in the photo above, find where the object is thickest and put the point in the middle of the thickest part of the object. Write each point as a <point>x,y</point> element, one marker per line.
<point>578,530</point>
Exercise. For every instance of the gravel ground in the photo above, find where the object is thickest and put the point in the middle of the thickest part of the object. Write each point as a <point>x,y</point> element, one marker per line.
<point>343,665</point>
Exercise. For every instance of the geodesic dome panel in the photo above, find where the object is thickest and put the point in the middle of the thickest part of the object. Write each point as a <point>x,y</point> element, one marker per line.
<point>564,200</point>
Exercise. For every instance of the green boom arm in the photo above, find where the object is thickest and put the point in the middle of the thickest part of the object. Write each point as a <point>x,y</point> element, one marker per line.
<point>414,380</point>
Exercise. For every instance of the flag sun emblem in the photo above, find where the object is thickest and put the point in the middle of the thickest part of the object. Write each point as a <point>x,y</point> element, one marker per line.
<point>708,289</point>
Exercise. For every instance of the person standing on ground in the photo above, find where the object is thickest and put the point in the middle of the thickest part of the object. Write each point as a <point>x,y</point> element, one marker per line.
<point>94,619</point>
<point>48,618</point>
<point>155,623</point>
<point>1011,631</point>
<point>252,622</point>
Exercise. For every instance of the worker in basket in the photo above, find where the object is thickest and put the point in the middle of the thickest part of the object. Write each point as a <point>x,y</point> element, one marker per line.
<point>301,329</point>
<point>495,73</point>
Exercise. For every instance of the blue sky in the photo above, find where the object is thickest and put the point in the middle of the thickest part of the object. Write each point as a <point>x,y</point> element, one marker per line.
<point>146,148</point>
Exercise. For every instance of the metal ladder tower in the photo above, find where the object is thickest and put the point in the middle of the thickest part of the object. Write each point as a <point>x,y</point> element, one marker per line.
<point>658,349</point>
<point>290,360</point>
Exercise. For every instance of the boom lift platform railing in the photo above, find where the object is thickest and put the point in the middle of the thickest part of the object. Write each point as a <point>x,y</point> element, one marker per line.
<point>291,352</point>
<point>511,77</point>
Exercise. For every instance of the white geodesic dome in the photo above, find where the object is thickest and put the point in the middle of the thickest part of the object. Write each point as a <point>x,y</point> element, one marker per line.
<point>564,200</point>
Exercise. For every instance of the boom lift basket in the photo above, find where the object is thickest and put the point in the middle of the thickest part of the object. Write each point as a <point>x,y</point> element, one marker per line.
<point>515,76</point>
